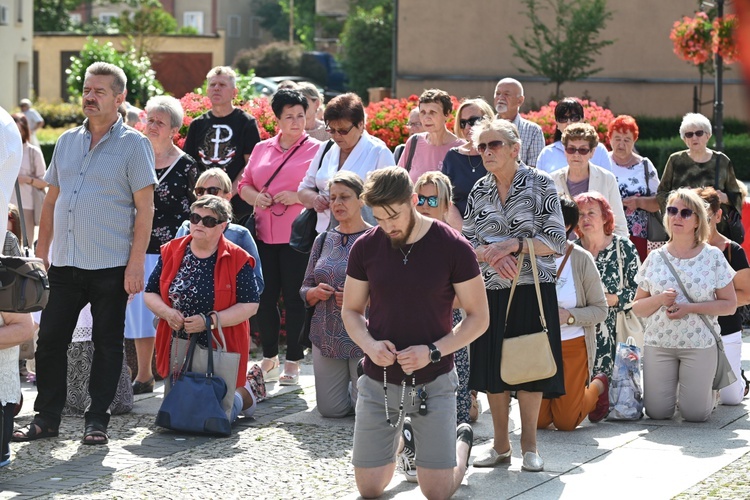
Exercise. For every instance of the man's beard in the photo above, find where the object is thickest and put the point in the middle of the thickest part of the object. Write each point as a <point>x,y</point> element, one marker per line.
<point>400,242</point>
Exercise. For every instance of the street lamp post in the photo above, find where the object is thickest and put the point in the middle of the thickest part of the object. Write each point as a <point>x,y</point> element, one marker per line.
<point>719,91</point>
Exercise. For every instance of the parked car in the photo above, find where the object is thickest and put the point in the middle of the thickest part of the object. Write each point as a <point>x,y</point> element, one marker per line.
<point>264,86</point>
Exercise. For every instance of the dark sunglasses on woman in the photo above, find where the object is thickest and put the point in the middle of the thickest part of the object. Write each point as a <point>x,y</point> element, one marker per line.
<point>215,191</point>
<point>470,121</point>
<point>493,145</point>
<point>697,133</point>
<point>581,151</point>
<point>208,221</point>
<point>431,201</point>
<point>685,213</point>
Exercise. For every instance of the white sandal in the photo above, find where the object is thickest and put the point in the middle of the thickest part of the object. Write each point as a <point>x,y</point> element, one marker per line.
<point>288,379</point>
<point>272,375</point>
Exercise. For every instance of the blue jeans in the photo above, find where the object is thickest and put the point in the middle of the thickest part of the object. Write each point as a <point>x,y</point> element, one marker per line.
<point>71,289</point>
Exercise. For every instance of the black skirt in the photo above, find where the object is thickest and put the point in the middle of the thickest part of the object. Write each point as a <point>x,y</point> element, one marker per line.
<point>486,351</point>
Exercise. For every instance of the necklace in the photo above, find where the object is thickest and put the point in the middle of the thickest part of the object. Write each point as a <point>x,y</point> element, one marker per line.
<point>403,395</point>
<point>406,255</point>
<point>471,164</point>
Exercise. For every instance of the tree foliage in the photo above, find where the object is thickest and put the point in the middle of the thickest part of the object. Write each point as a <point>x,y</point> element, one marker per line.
<point>274,17</point>
<point>367,43</point>
<point>564,49</point>
<point>144,25</point>
<point>52,15</point>
<point>272,59</point>
<point>142,82</point>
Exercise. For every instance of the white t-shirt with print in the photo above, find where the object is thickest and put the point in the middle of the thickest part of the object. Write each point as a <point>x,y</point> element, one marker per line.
<point>567,298</point>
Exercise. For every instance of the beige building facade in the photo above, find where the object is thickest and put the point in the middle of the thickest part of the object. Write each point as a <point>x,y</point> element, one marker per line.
<point>463,48</point>
<point>16,55</point>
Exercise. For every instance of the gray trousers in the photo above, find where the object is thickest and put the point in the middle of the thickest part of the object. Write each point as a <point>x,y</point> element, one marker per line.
<point>686,375</point>
<point>335,384</point>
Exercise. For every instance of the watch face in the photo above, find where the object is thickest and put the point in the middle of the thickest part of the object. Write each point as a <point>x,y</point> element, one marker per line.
<point>571,320</point>
<point>435,356</point>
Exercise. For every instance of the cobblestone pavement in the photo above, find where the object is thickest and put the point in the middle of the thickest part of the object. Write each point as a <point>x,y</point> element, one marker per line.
<point>275,455</point>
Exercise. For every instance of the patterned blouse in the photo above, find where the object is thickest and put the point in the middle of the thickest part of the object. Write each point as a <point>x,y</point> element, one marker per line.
<point>327,264</point>
<point>631,181</point>
<point>702,275</point>
<point>173,196</point>
<point>531,209</point>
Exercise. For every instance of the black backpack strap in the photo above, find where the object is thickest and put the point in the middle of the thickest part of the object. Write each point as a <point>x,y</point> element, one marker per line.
<point>412,142</point>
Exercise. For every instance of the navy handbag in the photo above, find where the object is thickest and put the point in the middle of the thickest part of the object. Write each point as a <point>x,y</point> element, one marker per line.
<point>194,402</point>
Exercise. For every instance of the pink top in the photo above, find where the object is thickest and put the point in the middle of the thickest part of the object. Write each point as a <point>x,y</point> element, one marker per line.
<point>264,160</point>
<point>426,157</point>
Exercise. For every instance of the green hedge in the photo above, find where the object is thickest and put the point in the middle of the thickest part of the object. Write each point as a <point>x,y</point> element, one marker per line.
<point>736,147</point>
<point>653,127</point>
<point>61,114</point>
<point>47,149</point>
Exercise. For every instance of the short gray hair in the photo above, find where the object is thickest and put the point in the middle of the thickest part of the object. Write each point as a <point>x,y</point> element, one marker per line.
<point>308,90</point>
<point>120,81</point>
<point>223,70</point>
<point>221,208</point>
<point>499,125</point>
<point>692,121</point>
<point>167,104</point>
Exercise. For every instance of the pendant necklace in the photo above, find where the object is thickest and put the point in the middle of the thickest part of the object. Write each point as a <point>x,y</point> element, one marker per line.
<point>471,164</point>
<point>406,255</point>
<point>403,395</point>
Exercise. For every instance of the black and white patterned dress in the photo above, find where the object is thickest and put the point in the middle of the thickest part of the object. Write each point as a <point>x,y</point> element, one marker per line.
<point>531,210</point>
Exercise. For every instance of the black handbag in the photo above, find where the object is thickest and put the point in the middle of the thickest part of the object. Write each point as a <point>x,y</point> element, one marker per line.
<point>303,227</point>
<point>304,336</point>
<point>730,224</point>
<point>194,402</point>
<point>249,220</point>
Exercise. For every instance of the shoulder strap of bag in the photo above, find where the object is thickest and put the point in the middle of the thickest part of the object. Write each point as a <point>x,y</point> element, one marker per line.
<point>716,171</point>
<point>620,263</point>
<point>565,259</point>
<point>278,169</point>
<point>328,146</point>
<point>412,142</point>
<point>703,317</point>
<point>164,176</point>
<point>23,223</point>
<point>532,259</point>
<point>645,177</point>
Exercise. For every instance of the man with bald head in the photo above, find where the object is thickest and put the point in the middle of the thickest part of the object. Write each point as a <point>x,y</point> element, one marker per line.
<point>508,100</point>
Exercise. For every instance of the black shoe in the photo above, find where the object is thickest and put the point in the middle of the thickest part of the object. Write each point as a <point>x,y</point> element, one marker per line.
<point>747,383</point>
<point>465,434</point>
<point>361,367</point>
<point>143,387</point>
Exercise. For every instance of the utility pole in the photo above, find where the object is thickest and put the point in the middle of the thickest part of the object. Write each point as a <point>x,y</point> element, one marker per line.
<point>719,91</point>
<point>291,22</point>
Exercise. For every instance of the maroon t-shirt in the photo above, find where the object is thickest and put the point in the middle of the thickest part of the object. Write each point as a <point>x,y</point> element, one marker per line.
<point>412,303</point>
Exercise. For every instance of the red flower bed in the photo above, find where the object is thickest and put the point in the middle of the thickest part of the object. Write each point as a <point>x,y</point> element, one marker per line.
<point>594,114</point>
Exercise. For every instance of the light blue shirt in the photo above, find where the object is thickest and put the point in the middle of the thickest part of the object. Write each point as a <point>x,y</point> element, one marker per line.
<point>553,158</point>
<point>95,210</point>
<point>240,236</point>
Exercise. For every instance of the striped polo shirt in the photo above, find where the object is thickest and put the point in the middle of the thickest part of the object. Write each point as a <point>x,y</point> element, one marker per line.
<point>95,210</point>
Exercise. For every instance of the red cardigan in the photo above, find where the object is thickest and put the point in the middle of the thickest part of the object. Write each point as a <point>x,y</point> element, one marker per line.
<point>229,261</point>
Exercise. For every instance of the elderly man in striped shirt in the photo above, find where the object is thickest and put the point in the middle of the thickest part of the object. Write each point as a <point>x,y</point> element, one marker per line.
<point>508,100</point>
<point>98,211</point>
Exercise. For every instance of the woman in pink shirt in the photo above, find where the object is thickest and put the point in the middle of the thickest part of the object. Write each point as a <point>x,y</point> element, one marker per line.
<point>431,146</point>
<point>269,183</point>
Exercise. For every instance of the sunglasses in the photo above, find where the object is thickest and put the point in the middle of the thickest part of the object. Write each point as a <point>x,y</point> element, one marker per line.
<point>685,213</point>
<point>208,221</point>
<point>569,119</point>
<point>581,151</point>
<point>697,133</point>
<point>493,145</point>
<point>471,121</point>
<point>339,131</point>
<point>210,190</point>
<point>431,201</point>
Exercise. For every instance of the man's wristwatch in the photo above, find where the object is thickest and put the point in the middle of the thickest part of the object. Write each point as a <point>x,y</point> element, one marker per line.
<point>435,355</point>
<point>571,320</point>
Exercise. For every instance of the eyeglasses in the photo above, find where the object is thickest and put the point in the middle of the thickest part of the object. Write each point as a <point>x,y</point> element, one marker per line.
<point>340,131</point>
<point>569,119</point>
<point>431,201</point>
<point>208,221</point>
<point>413,124</point>
<point>200,191</point>
<point>471,121</point>
<point>697,133</point>
<point>685,213</point>
<point>493,145</point>
<point>581,151</point>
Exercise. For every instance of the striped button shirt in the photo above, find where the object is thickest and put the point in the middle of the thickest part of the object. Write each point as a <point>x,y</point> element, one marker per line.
<point>532,140</point>
<point>95,210</point>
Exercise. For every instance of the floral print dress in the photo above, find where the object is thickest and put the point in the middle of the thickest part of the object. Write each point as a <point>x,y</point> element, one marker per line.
<point>609,269</point>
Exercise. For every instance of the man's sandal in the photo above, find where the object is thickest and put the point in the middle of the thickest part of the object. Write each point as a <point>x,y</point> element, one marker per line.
<point>30,433</point>
<point>95,433</point>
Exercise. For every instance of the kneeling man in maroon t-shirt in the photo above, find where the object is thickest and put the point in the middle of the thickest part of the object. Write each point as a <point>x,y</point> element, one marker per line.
<point>408,270</point>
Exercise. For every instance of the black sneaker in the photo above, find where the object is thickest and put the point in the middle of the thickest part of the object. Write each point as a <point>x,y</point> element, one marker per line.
<point>465,434</point>
<point>408,454</point>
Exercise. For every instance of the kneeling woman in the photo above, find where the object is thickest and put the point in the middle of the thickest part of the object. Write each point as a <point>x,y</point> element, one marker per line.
<point>581,305</point>
<point>200,273</point>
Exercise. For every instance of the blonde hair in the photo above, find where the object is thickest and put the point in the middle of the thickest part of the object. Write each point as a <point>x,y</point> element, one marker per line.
<point>215,173</point>
<point>485,108</point>
<point>441,182</point>
<point>695,203</point>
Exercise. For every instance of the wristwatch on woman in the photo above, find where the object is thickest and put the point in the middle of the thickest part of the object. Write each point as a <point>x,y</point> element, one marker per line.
<point>571,319</point>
